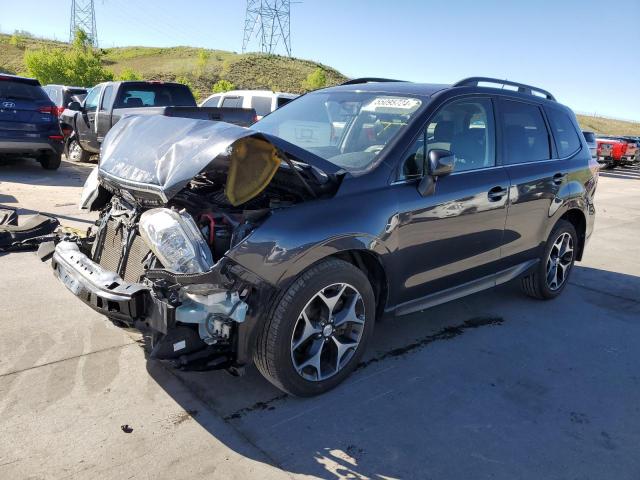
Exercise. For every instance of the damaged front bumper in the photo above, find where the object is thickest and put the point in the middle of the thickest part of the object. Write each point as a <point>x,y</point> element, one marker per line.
<point>105,291</point>
<point>218,318</point>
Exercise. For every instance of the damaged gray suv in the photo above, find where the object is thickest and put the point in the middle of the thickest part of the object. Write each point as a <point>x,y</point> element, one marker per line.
<point>283,243</point>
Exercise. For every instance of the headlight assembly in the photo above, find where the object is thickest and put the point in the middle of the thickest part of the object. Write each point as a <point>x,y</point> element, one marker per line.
<point>175,239</point>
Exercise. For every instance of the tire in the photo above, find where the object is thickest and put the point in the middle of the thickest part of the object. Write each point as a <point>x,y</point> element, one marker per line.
<point>538,284</point>
<point>276,354</point>
<point>75,153</point>
<point>50,161</point>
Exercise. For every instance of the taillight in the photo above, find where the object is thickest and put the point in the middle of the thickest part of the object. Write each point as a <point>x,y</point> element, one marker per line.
<point>57,111</point>
<point>50,110</point>
<point>56,137</point>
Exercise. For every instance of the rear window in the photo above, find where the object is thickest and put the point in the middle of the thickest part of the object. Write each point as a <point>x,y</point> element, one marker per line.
<point>155,95</point>
<point>262,105</point>
<point>567,140</point>
<point>232,102</point>
<point>590,137</point>
<point>21,91</point>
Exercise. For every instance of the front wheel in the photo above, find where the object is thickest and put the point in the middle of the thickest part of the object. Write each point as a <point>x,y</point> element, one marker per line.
<point>318,329</point>
<point>551,275</point>
<point>75,152</point>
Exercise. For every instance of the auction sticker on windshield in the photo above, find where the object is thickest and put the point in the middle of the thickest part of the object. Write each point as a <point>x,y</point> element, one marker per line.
<point>393,105</point>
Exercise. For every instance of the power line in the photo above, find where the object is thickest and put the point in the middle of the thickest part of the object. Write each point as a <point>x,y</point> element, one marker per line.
<point>270,20</point>
<point>83,17</point>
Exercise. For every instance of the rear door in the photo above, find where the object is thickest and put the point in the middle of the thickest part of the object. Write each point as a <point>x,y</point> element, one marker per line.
<point>85,120</point>
<point>536,178</point>
<point>25,110</point>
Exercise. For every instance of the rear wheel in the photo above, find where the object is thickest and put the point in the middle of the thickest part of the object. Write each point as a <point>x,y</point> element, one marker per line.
<point>50,161</point>
<point>318,329</point>
<point>75,153</point>
<point>552,272</point>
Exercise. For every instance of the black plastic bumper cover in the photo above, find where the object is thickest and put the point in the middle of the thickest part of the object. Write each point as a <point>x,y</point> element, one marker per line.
<point>106,292</point>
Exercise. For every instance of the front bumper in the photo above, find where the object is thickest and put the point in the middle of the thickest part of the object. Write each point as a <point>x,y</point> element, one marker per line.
<point>106,292</point>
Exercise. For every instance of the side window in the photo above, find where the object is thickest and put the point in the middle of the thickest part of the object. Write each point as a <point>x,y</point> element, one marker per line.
<point>262,105</point>
<point>526,138</point>
<point>91,102</point>
<point>106,98</point>
<point>567,140</point>
<point>232,102</point>
<point>212,102</point>
<point>282,101</point>
<point>467,129</point>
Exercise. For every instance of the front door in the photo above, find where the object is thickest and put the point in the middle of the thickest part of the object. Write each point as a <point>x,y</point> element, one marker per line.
<point>85,121</point>
<point>453,235</point>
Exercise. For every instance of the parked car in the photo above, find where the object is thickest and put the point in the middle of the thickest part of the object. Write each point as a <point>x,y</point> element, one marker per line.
<point>262,101</point>
<point>28,123</point>
<point>631,150</point>
<point>590,138</point>
<point>62,95</point>
<point>282,244</point>
<point>108,102</point>
<point>610,151</point>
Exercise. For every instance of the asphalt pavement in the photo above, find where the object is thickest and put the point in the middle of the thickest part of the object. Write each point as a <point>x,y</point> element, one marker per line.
<point>495,385</point>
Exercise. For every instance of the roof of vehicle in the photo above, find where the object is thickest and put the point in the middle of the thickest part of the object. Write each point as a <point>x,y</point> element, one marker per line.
<point>16,78</point>
<point>67,87</point>
<point>258,92</point>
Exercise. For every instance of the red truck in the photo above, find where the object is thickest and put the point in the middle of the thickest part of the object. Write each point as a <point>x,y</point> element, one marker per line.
<point>611,151</point>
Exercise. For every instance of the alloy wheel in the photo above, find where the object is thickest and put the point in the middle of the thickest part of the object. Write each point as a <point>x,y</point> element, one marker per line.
<point>74,151</point>
<point>327,332</point>
<point>559,261</point>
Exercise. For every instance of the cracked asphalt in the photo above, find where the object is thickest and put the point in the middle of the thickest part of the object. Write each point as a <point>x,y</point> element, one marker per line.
<point>496,385</point>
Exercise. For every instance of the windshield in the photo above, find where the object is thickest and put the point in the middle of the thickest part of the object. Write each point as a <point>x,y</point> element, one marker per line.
<point>348,129</point>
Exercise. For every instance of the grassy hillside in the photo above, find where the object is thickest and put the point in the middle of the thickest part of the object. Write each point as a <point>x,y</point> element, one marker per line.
<point>201,68</point>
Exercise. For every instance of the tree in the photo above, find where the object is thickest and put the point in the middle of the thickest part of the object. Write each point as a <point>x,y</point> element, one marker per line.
<point>222,86</point>
<point>201,63</point>
<point>129,74</point>
<point>315,80</point>
<point>78,65</point>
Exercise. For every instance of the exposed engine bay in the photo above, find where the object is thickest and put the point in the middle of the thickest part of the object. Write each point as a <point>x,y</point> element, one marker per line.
<point>156,255</point>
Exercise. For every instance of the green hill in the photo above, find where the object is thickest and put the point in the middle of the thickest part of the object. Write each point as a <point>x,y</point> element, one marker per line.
<point>198,67</point>
<point>201,68</point>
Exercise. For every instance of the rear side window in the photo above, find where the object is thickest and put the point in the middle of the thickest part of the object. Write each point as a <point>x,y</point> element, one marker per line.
<point>212,102</point>
<point>282,101</point>
<point>590,137</point>
<point>262,105</point>
<point>21,91</point>
<point>232,102</point>
<point>526,138</point>
<point>155,95</point>
<point>567,140</point>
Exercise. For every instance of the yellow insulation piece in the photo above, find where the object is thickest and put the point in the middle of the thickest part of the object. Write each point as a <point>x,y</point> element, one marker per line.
<point>253,164</point>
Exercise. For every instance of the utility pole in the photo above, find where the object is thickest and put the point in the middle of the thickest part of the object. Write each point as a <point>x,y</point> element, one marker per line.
<point>269,21</point>
<point>83,16</point>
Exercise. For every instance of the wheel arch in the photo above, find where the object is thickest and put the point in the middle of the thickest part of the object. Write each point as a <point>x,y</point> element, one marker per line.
<point>577,218</point>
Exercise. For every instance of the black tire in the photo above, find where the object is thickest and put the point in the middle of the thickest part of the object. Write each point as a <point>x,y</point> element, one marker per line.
<point>75,152</point>
<point>273,352</point>
<point>50,161</point>
<point>536,284</point>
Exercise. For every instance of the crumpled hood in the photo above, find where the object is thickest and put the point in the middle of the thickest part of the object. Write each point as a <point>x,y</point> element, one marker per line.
<point>162,154</point>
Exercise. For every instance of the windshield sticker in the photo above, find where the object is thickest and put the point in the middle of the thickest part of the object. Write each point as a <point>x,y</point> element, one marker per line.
<point>392,104</point>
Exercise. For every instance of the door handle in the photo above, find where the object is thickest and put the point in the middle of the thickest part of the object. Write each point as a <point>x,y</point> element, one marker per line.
<point>558,178</point>
<point>496,193</point>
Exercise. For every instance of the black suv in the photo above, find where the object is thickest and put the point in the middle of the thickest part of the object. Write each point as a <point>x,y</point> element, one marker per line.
<point>282,243</point>
<point>28,122</point>
<point>63,95</point>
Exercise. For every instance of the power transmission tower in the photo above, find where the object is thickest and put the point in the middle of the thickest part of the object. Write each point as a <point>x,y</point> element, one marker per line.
<point>270,20</point>
<point>83,16</point>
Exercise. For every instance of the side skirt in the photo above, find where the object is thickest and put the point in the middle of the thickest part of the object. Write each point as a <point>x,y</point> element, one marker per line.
<point>463,290</point>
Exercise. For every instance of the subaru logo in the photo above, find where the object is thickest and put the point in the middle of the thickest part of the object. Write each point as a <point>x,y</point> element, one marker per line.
<point>8,104</point>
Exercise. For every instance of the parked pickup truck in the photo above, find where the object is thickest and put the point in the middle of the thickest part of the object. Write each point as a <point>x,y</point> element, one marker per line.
<point>86,124</point>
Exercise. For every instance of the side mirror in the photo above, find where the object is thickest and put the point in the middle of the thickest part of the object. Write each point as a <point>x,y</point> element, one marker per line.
<point>75,106</point>
<point>440,163</point>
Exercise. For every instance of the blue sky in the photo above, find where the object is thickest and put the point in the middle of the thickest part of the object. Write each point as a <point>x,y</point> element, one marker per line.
<point>585,52</point>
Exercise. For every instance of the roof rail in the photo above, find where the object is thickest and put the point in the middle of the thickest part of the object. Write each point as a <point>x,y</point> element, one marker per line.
<point>522,88</point>
<point>355,81</point>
